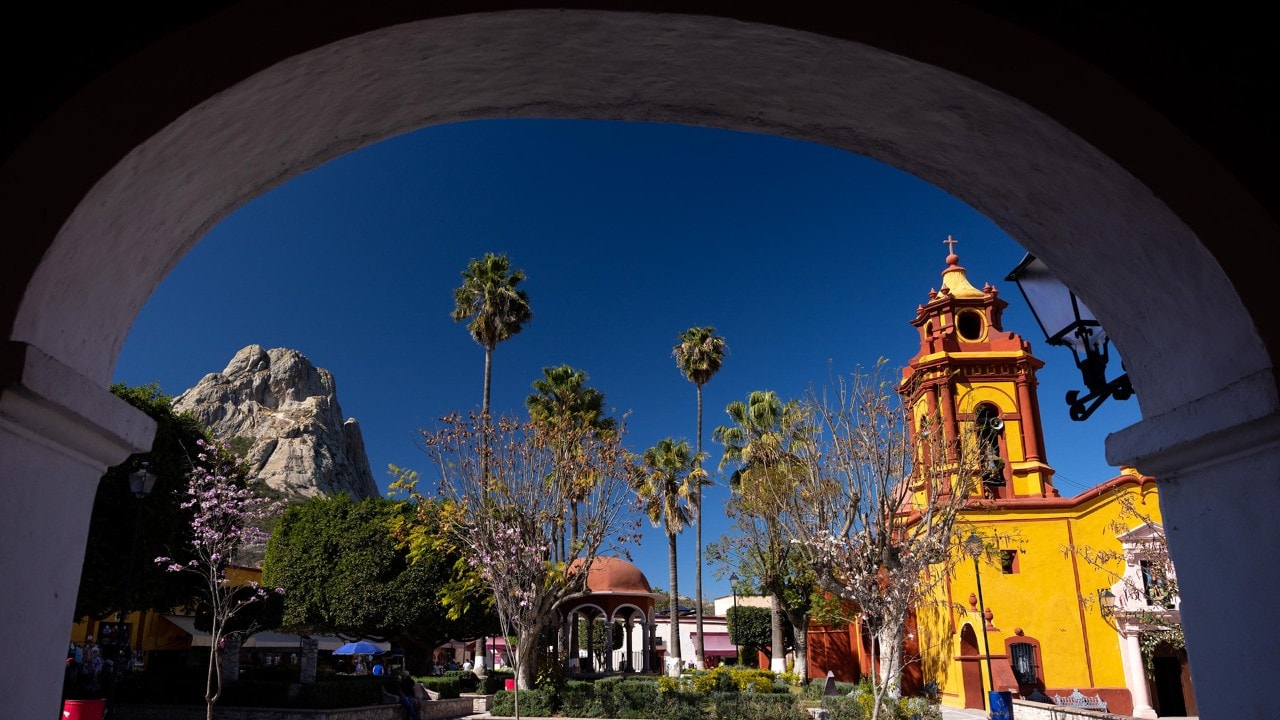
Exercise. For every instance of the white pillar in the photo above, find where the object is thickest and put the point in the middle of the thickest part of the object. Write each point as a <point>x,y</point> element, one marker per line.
<point>59,432</point>
<point>1134,672</point>
<point>1217,464</point>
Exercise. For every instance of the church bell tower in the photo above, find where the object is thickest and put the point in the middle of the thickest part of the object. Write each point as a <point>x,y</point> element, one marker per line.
<point>979,382</point>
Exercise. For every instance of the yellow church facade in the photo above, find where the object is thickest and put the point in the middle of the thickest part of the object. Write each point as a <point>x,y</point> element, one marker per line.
<point>1031,614</point>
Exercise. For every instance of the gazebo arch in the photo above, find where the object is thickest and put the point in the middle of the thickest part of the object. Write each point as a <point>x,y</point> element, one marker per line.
<point>614,584</point>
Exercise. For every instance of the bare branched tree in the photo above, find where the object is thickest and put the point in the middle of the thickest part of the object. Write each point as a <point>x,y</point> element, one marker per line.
<point>509,485</point>
<point>875,511</point>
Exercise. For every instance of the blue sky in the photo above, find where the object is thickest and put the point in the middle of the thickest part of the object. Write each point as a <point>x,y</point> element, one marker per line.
<point>808,260</point>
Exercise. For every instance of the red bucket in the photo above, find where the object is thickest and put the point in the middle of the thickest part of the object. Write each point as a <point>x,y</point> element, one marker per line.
<point>83,709</point>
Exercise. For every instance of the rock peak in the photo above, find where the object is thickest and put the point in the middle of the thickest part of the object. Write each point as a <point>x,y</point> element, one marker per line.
<point>283,411</point>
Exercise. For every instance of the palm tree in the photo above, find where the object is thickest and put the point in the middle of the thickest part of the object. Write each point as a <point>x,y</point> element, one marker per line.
<point>766,442</point>
<point>566,410</point>
<point>699,356</point>
<point>667,489</point>
<point>497,310</point>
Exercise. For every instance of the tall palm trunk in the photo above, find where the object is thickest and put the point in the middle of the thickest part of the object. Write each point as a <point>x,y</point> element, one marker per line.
<point>674,660</point>
<point>488,373</point>
<point>699,649</point>
<point>778,653</point>
<point>484,418</point>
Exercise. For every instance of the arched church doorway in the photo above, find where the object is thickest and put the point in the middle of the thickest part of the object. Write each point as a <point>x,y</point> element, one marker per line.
<point>104,194</point>
<point>971,668</point>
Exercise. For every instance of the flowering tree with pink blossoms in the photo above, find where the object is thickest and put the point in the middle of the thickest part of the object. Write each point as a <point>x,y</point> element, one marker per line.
<point>514,566</point>
<point>225,518</point>
<point>508,486</point>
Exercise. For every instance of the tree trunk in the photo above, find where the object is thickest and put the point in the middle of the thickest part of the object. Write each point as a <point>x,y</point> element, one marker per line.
<point>800,626</point>
<point>674,661</point>
<point>889,640</point>
<point>229,662</point>
<point>699,649</point>
<point>488,372</point>
<point>778,653</point>
<point>526,659</point>
<point>484,420</point>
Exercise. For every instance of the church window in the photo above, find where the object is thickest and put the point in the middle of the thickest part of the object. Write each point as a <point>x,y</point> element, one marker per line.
<point>991,464</point>
<point>1009,562</point>
<point>1022,657</point>
<point>1155,588</point>
<point>969,325</point>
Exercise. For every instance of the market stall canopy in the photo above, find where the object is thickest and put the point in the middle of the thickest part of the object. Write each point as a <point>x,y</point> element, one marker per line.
<point>361,647</point>
<point>717,644</point>
<point>199,638</point>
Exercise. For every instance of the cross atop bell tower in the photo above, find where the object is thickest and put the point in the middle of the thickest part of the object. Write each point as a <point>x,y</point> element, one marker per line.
<point>979,381</point>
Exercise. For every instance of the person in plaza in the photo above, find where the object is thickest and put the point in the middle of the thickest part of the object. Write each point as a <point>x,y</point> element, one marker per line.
<point>378,668</point>
<point>402,687</point>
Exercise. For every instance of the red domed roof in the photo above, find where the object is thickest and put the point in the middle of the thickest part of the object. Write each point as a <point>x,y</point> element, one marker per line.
<point>615,575</point>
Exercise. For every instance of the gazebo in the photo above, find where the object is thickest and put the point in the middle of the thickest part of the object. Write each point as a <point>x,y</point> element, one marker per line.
<point>617,592</point>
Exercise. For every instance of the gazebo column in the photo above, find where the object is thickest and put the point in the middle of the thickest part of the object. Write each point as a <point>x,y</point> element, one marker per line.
<point>651,644</point>
<point>571,659</point>
<point>608,643</point>
<point>591,641</point>
<point>631,665</point>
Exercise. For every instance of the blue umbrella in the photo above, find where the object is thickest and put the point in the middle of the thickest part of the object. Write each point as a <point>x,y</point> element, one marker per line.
<point>359,647</point>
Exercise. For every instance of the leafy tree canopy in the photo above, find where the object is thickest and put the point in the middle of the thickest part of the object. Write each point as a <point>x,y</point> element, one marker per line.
<point>164,528</point>
<point>345,572</point>
<point>752,627</point>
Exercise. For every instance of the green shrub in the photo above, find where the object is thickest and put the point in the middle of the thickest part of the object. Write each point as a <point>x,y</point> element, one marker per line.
<point>813,691</point>
<point>622,697</point>
<point>467,680</point>
<point>754,706</point>
<point>578,699</point>
<point>533,703</point>
<point>495,681</point>
<point>843,707</point>
<point>918,708</point>
<point>447,686</point>
<point>680,705</point>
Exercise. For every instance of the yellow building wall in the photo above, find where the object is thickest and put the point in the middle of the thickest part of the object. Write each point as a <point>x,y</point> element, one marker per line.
<point>157,633</point>
<point>1052,597</point>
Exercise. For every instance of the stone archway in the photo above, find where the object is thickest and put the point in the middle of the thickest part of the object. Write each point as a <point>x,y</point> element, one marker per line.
<point>103,206</point>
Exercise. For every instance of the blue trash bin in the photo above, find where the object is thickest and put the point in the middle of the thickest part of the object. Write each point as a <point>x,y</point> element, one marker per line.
<point>1001,704</point>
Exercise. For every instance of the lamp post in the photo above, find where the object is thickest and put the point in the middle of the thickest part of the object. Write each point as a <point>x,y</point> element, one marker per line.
<point>1067,321</point>
<point>973,546</point>
<point>141,482</point>
<point>1107,602</point>
<point>733,585</point>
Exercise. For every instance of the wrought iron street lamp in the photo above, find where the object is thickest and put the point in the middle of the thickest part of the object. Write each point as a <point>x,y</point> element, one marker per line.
<point>1067,321</point>
<point>733,585</point>
<point>973,547</point>
<point>1107,602</point>
<point>141,482</point>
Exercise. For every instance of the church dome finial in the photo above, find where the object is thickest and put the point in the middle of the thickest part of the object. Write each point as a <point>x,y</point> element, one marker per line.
<point>952,258</point>
<point>955,282</point>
